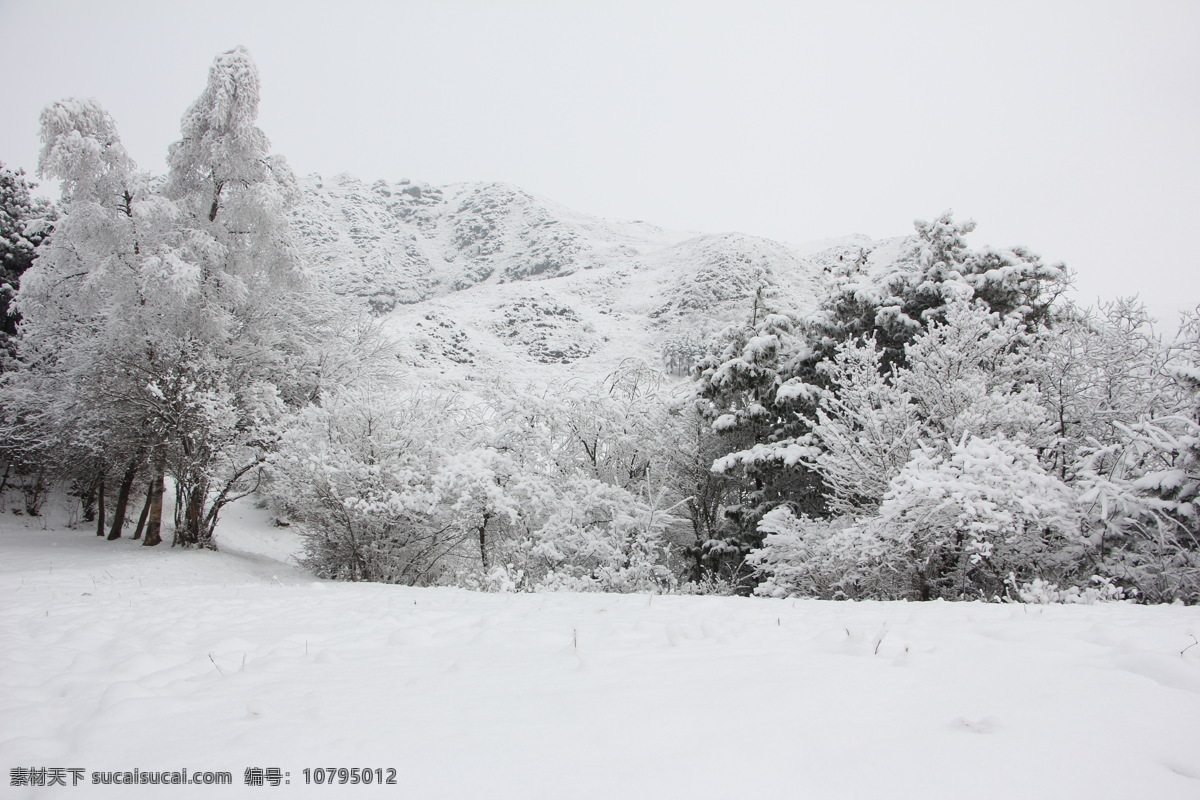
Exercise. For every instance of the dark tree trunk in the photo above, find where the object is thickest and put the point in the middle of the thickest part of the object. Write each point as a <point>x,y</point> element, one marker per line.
<point>157,487</point>
<point>193,516</point>
<point>88,499</point>
<point>179,509</point>
<point>483,552</point>
<point>100,502</point>
<point>697,552</point>
<point>141,523</point>
<point>118,522</point>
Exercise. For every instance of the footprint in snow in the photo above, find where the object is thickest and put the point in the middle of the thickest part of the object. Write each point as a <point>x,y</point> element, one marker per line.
<point>982,725</point>
<point>1185,770</point>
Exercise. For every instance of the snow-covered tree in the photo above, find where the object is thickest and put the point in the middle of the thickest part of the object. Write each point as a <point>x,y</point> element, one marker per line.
<point>233,193</point>
<point>865,429</point>
<point>232,232</point>
<point>713,551</point>
<point>80,303</point>
<point>753,387</point>
<point>967,375</point>
<point>937,268</point>
<point>775,389</point>
<point>1140,481</point>
<point>972,373</point>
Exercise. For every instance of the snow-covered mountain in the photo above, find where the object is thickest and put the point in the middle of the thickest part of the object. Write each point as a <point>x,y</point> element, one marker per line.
<point>485,275</point>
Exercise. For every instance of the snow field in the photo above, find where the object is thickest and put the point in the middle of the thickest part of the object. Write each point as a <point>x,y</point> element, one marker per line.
<point>116,657</point>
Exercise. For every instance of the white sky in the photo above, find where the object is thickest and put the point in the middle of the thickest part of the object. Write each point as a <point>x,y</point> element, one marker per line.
<point>1069,127</point>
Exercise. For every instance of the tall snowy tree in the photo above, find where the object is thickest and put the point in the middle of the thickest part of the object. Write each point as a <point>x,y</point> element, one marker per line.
<point>78,302</point>
<point>750,389</point>
<point>233,232</point>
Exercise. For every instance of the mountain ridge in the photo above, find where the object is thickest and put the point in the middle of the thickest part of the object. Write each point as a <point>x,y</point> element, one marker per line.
<point>486,276</point>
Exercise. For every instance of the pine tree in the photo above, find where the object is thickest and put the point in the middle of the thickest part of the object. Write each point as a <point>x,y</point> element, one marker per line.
<point>752,389</point>
<point>25,223</point>
<point>937,268</point>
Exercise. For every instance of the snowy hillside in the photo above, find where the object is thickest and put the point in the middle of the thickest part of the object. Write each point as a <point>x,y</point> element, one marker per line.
<point>163,659</point>
<point>489,276</point>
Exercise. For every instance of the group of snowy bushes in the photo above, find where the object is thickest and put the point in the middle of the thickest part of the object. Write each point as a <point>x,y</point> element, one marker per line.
<point>523,491</point>
<point>951,429</point>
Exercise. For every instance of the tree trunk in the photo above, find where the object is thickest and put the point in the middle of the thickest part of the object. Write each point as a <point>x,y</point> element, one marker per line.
<point>697,551</point>
<point>100,500</point>
<point>154,502</point>
<point>127,479</point>
<point>193,516</point>
<point>483,553</point>
<point>141,523</point>
<point>179,508</point>
<point>88,499</point>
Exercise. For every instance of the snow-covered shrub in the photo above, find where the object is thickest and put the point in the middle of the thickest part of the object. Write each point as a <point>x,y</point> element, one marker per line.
<point>569,486</point>
<point>524,491</point>
<point>503,578</point>
<point>952,525</point>
<point>832,559</point>
<point>595,537</point>
<point>1102,590</point>
<point>355,473</point>
<point>1139,522</point>
<point>969,516</point>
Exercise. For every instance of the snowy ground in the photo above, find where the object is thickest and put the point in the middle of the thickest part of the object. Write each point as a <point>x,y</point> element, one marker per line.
<point>115,657</point>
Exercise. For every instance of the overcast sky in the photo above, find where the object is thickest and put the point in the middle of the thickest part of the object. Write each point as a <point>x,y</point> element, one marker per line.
<point>1070,127</point>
